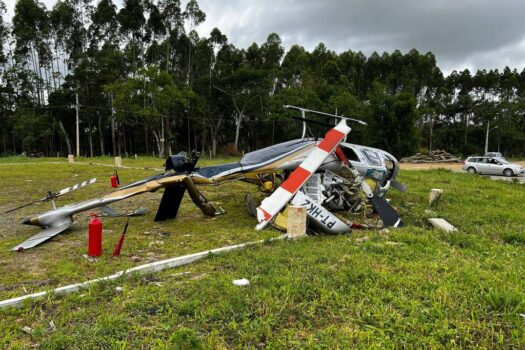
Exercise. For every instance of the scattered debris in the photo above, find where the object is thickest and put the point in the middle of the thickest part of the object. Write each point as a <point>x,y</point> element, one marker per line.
<point>437,156</point>
<point>242,282</point>
<point>442,224</point>
<point>384,231</point>
<point>360,240</point>
<point>392,243</point>
<point>135,258</point>
<point>52,325</point>
<point>156,244</point>
<point>118,289</point>
<point>26,329</point>
<point>184,273</point>
<point>91,259</point>
<point>430,212</point>
<point>435,195</point>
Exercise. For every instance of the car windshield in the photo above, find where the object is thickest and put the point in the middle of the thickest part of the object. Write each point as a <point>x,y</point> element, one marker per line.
<point>503,161</point>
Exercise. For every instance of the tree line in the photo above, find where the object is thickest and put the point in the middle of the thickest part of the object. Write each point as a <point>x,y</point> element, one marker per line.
<point>144,82</point>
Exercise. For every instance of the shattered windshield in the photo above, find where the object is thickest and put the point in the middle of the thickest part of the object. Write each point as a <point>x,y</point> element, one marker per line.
<point>372,157</point>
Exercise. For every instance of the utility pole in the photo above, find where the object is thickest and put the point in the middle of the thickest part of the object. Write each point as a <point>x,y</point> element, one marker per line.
<point>487,137</point>
<point>78,128</point>
<point>113,139</point>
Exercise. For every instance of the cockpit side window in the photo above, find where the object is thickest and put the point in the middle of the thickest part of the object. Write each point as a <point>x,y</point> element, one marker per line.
<point>372,157</point>
<point>350,154</point>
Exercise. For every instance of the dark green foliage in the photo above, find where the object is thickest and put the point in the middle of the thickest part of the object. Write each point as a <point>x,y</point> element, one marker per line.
<point>235,95</point>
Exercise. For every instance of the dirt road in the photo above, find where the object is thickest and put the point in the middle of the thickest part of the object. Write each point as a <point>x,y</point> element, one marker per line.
<point>451,166</point>
<point>457,167</point>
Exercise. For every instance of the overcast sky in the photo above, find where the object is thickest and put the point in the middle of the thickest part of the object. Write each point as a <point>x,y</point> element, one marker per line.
<point>474,34</point>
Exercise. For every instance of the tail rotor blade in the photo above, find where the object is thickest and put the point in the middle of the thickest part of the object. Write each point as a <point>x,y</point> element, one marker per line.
<point>76,187</point>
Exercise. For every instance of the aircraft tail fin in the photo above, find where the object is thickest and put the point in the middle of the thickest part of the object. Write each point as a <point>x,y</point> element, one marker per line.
<point>170,202</point>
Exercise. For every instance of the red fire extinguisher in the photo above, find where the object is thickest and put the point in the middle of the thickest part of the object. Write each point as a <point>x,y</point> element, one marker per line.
<point>115,181</point>
<point>95,236</point>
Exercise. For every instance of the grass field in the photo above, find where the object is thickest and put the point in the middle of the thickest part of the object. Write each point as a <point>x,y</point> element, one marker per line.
<point>406,288</point>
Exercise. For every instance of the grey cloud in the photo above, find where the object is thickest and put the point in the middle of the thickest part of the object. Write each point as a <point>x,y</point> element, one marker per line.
<point>462,34</point>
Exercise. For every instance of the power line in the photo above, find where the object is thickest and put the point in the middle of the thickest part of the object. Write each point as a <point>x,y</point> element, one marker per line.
<point>153,114</point>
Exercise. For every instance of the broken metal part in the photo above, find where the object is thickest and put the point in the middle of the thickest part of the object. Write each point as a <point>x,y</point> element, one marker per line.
<point>199,199</point>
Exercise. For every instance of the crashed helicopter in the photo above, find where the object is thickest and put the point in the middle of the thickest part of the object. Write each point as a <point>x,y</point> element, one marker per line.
<point>312,173</point>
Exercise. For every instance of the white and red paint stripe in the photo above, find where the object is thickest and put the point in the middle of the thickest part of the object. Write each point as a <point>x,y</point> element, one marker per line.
<point>77,186</point>
<point>270,206</point>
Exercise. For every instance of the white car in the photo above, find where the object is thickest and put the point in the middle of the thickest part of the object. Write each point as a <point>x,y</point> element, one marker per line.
<point>492,166</point>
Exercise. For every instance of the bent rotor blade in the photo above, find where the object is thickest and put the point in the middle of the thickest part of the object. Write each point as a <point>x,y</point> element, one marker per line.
<point>76,187</point>
<point>270,206</point>
<point>43,236</point>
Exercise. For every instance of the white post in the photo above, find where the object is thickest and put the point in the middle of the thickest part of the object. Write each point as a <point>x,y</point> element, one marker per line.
<point>296,221</point>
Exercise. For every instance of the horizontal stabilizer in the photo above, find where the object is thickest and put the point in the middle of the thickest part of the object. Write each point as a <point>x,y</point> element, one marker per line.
<point>43,236</point>
<point>109,211</point>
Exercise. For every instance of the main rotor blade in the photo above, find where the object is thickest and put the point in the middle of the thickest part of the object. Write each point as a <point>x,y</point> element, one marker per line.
<point>311,121</point>
<point>326,114</point>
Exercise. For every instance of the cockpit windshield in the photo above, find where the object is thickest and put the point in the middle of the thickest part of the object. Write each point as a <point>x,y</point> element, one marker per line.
<point>372,157</point>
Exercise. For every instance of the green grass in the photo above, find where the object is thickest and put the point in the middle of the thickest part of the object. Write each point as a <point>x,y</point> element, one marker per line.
<point>407,288</point>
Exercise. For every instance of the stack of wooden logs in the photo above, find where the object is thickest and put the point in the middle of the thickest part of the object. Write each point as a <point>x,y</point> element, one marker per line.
<point>437,156</point>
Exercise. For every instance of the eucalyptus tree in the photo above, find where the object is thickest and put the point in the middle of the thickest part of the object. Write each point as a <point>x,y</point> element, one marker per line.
<point>193,16</point>
<point>173,24</point>
<point>132,22</point>
<point>153,94</point>
<point>30,29</point>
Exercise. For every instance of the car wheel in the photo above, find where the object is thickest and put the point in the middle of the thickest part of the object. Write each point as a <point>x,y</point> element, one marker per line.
<point>471,170</point>
<point>508,172</point>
